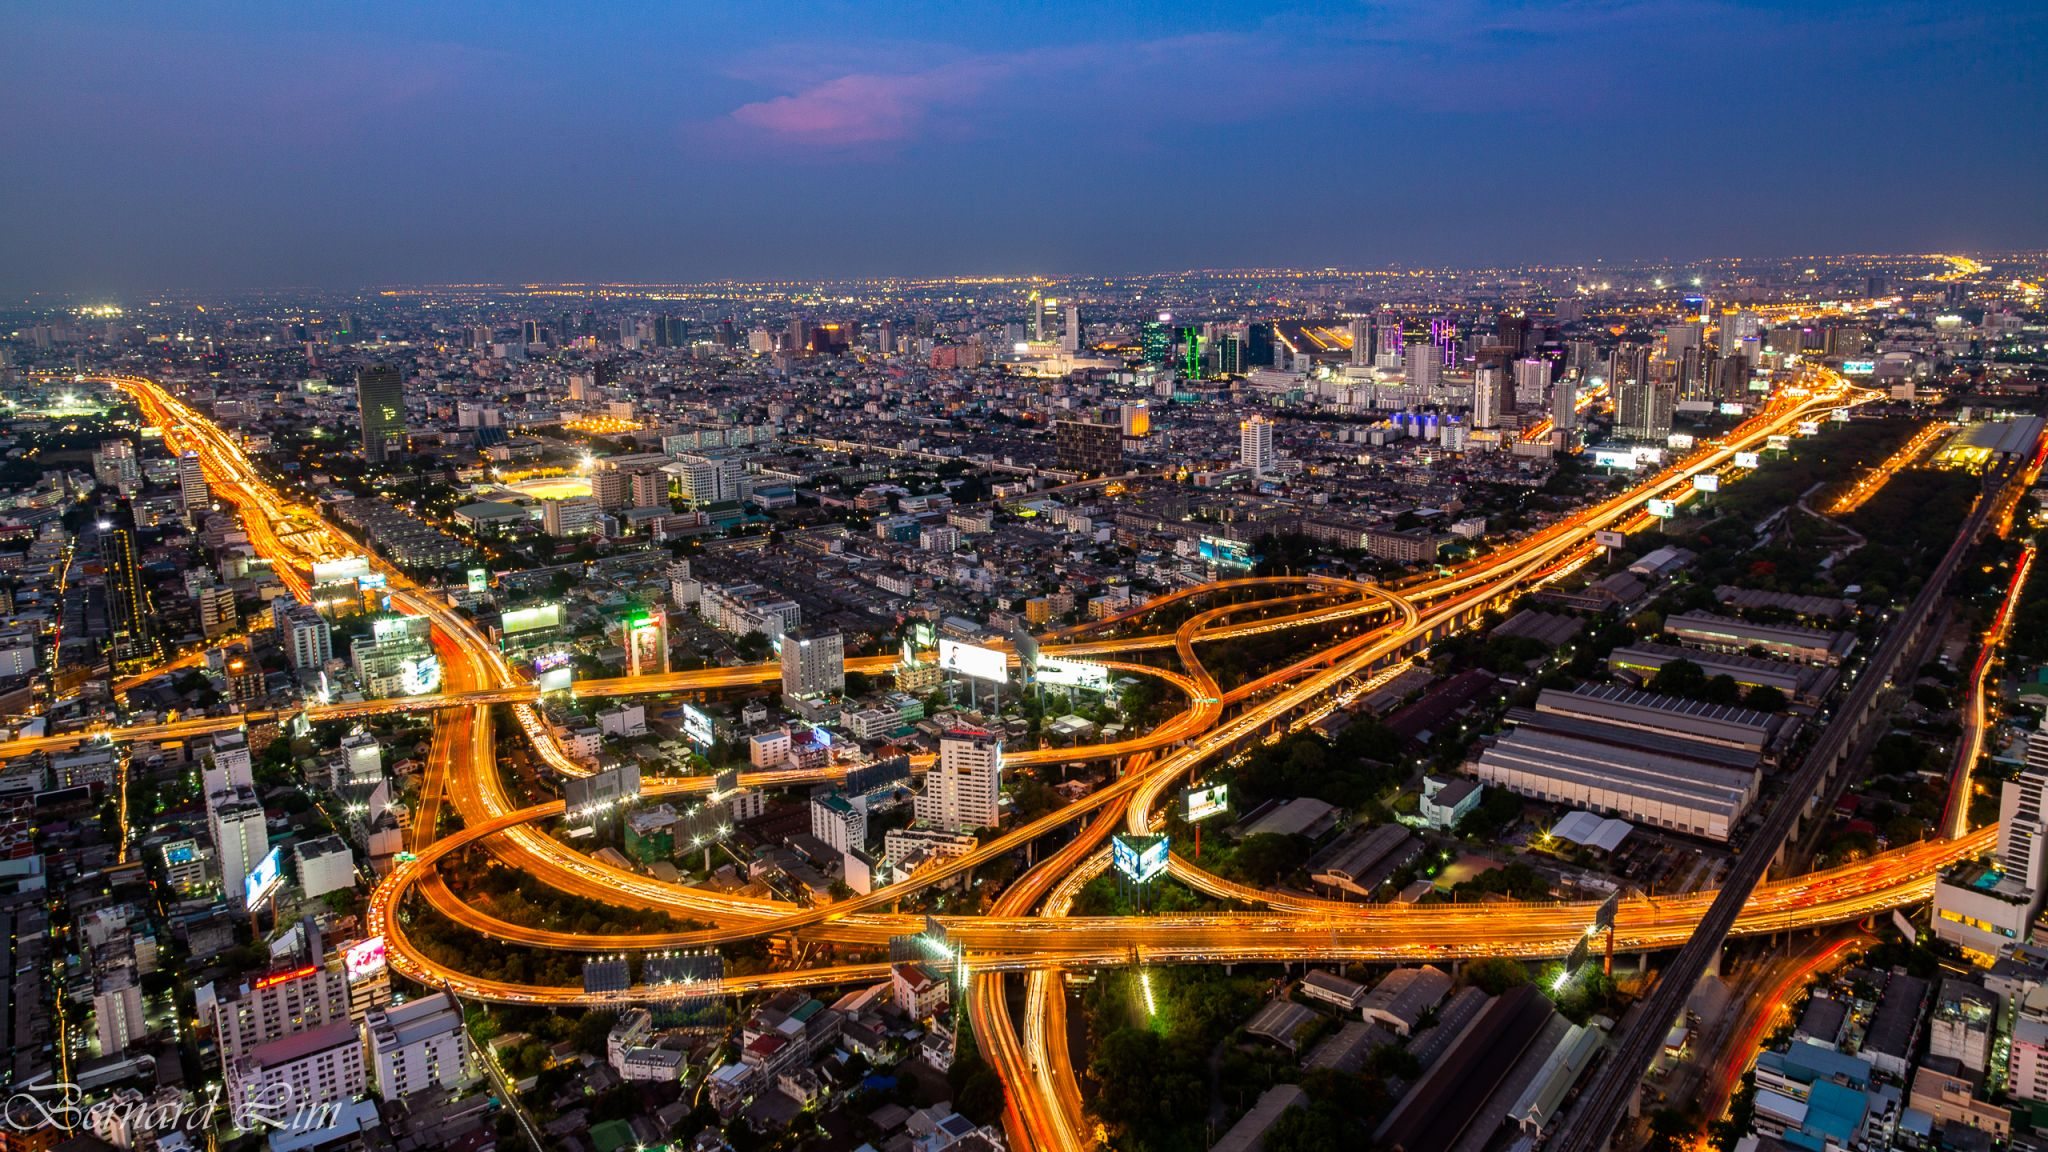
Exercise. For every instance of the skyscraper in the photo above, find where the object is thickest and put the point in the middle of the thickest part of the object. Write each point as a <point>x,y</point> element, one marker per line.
<point>1486,396</point>
<point>813,663</point>
<point>1255,445</point>
<point>1070,335</point>
<point>1564,405</point>
<point>1424,366</point>
<point>963,790</point>
<point>1155,340</point>
<point>1190,339</point>
<point>131,617</point>
<point>380,398</point>
<point>193,491</point>
<point>1361,342</point>
<point>1532,380</point>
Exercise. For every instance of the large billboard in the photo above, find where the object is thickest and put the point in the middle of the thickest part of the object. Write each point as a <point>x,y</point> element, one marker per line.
<point>1663,509</point>
<point>419,675</point>
<point>1139,858</point>
<point>1614,458</point>
<point>365,958</point>
<point>973,662</point>
<point>1206,802</point>
<point>1072,674</point>
<point>1707,482</point>
<point>1778,443</point>
<point>697,726</point>
<point>346,568</point>
<point>1748,460</point>
<point>1610,539</point>
<point>263,879</point>
<point>530,619</point>
<point>554,670</point>
<point>1859,367</point>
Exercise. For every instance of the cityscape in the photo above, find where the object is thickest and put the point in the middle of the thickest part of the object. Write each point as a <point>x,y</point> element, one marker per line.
<point>1338,698</point>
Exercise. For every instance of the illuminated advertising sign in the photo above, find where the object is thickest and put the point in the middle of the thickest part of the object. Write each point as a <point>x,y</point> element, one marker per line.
<point>420,675</point>
<point>646,636</point>
<point>1645,454</point>
<point>531,619</point>
<point>1679,441</point>
<point>553,671</point>
<point>1809,427</point>
<point>275,978</point>
<point>263,879</point>
<point>555,680</point>
<point>479,580</point>
<point>1779,444</point>
<point>973,662</point>
<point>1140,858</point>
<point>1614,458</point>
<point>697,726</point>
<point>1732,408</point>
<point>1072,674</point>
<point>1748,460</point>
<point>1707,482</point>
<point>396,629</point>
<point>1206,802</point>
<point>365,958</point>
<point>373,580</point>
<point>1663,509</point>
<point>1226,553</point>
<point>346,568</point>
<point>1859,367</point>
<point>1610,539</point>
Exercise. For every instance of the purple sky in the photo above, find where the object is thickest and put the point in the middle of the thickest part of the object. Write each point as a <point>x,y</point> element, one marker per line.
<point>252,145</point>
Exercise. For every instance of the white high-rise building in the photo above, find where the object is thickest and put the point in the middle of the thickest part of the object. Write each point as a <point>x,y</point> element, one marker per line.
<point>963,790</point>
<point>1070,336</point>
<point>1423,365</point>
<point>1255,445</point>
<point>1486,397</point>
<point>813,663</point>
<point>1564,405</point>
<point>256,1012</point>
<point>322,1065</point>
<point>228,766</point>
<point>839,821</point>
<point>1532,380</point>
<point>117,1010</point>
<point>307,638</point>
<point>1361,341</point>
<point>192,488</point>
<point>240,841</point>
<point>419,1045</point>
<point>2022,823</point>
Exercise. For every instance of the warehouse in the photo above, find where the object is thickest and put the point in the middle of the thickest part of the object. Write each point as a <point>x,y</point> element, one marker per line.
<point>1646,787</point>
<point>1794,680</point>
<point>1727,634</point>
<point>1694,720</point>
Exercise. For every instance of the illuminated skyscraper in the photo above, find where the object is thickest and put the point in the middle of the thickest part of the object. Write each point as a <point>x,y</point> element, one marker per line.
<point>1361,341</point>
<point>1564,405</point>
<point>1156,339</point>
<point>380,399</point>
<point>1070,334</point>
<point>1255,445</point>
<point>1487,387</point>
<point>1190,339</point>
<point>963,790</point>
<point>193,491</point>
<point>131,617</point>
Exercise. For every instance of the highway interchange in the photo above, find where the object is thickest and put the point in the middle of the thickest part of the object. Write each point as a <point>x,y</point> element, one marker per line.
<point>1028,930</point>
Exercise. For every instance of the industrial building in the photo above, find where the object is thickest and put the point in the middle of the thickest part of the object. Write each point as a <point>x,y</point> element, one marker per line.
<point>1618,706</point>
<point>1648,787</point>
<point>1786,642</point>
<point>1796,681</point>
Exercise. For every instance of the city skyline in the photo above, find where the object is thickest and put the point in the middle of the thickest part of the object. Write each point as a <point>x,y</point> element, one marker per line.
<point>232,147</point>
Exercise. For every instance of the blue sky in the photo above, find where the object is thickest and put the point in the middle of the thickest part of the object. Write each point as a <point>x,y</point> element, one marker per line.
<point>253,145</point>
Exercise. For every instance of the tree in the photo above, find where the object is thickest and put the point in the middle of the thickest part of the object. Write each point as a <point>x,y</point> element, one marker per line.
<point>1680,678</point>
<point>1494,975</point>
<point>1765,698</point>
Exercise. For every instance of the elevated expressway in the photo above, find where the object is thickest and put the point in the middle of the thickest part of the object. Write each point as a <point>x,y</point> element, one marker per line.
<point>1044,1102</point>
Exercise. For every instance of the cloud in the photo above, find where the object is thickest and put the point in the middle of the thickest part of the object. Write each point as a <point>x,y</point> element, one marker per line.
<point>868,108</point>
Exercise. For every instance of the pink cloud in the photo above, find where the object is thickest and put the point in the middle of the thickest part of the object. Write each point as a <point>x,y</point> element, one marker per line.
<point>869,107</point>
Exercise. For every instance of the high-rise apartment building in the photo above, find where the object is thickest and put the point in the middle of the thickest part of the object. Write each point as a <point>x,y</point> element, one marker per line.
<point>1255,445</point>
<point>420,1045</point>
<point>963,790</point>
<point>1564,405</point>
<point>275,1005</point>
<point>1087,447</point>
<point>235,820</point>
<point>306,637</point>
<point>1361,341</point>
<point>380,399</point>
<point>813,663</point>
<point>193,493</point>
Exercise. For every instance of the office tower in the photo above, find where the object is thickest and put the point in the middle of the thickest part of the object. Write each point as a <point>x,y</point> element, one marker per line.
<point>380,399</point>
<point>1259,344</point>
<point>1255,445</point>
<point>1486,396</point>
<point>1039,323</point>
<point>1155,340</point>
<point>1228,350</point>
<point>131,613</point>
<point>1087,447</point>
<point>1512,330</point>
<point>418,1046</point>
<point>1532,380</point>
<point>235,821</point>
<point>962,791</point>
<point>1564,405</point>
<point>1190,340</point>
<point>1423,364</point>
<point>306,638</point>
<point>1070,335</point>
<point>193,492</point>
<point>1737,327</point>
<point>1361,342</point>
<point>813,663</point>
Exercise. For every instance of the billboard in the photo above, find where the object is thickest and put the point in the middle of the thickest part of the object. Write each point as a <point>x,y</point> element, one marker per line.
<point>1778,444</point>
<point>1614,458</point>
<point>1732,408</point>
<point>263,879</point>
<point>1707,482</point>
<point>530,619</point>
<point>697,727</point>
<point>346,568</point>
<point>556,679</point>
<point>1140,858</point>
<point>1859,367</point>
<point>419,675</point>
<point>1072,674</point>
<point>365,958</point>
<point>1226,553</point>
<point>1206,802</point>
<point>1645,454</point>
<point>973,662</point>
<point>479,580</point>
<point>1679,440</point>
<point>1610,539</point>
<point>374,580</point>
<point>1748,460</point>
<point>1809,427</point>
<point>1663,509</point>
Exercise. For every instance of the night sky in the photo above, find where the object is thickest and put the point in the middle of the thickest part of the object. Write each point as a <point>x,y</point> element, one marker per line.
<point>220,146</point>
